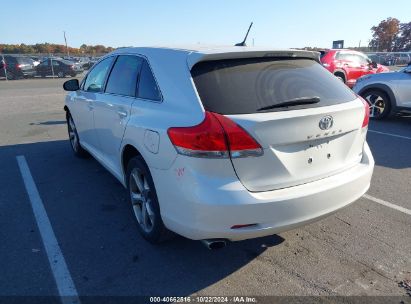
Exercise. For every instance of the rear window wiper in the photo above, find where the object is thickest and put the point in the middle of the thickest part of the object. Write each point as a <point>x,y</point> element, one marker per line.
<point>292,102</point>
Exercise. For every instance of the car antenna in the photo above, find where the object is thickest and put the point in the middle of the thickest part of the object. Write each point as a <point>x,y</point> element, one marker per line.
<point>245,38</point>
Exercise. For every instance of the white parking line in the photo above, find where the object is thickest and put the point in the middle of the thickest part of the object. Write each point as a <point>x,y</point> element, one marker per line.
<point>64,282</point>
<point>31,96</point>
<point>390,134</point>
<point>387,204</point>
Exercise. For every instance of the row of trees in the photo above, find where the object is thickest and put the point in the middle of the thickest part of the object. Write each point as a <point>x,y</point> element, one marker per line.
<point>46,48</point>
<point>390,35</point>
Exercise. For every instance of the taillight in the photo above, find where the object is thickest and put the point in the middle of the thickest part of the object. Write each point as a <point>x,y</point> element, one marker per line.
<point>367,112</point>
<point>18,66</point>
<point>241,144</point>
<point>215,137</point>
<point>204,140</point>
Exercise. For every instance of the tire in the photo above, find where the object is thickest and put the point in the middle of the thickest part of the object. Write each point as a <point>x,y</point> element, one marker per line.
<point>61,74</point>
<point>10,76</point>
<point>74,138</point>
<point>379,102</point>
<point>144,201</point>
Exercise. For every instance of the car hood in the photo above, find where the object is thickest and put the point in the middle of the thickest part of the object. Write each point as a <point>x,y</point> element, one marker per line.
<point>380,76</point>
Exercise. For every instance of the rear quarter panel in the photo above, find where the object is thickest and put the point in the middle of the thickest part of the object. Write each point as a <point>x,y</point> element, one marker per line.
<point>180,107</point>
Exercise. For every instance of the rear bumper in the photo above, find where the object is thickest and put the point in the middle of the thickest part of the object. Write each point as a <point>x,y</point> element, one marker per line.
<point>200,207</point>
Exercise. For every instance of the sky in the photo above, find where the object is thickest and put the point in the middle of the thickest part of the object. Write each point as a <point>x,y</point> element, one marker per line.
<point>116,23</point>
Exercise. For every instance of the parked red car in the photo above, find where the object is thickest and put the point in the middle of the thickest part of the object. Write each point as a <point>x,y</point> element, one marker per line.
<point>349,65</point>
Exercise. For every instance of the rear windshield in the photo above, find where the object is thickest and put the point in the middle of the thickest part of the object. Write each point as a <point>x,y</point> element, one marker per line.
<point>242,86</point>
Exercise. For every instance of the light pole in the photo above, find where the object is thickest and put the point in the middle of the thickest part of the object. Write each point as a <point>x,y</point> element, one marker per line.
<point>65,40</point>
<point>3,62</point>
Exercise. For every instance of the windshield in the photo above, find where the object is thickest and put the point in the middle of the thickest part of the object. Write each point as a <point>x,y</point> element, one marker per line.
<point>242,86</point>
<point>67,62</point>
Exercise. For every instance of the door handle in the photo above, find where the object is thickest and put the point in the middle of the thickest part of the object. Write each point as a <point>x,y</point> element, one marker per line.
<point>122,114</point>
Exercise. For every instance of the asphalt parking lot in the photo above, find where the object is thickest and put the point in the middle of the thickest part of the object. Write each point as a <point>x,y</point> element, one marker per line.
<point>364,249</point>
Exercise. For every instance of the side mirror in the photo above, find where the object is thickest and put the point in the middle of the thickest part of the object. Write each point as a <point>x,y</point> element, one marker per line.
<point>374,65</point>
<point>71,85</point>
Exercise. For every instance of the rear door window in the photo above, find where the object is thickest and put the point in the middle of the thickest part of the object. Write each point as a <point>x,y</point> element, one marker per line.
<point>242,86</point>
<point>124,75</point>
<point>344,56</point>
<point>357,58</point>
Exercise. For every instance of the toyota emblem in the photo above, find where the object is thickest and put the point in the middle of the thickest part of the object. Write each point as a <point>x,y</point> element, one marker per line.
<point>326,122</point>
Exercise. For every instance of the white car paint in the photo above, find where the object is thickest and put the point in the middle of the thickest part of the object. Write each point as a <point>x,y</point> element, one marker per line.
<point>395,84</point>
<point>202,198</point>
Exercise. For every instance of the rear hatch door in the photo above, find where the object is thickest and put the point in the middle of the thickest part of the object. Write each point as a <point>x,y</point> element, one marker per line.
<point>301,142</point>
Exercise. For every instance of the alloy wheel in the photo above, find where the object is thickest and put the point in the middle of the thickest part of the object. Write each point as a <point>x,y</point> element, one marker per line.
<point>73,134</point>
<point>140,194</point>
<point>377,105</point>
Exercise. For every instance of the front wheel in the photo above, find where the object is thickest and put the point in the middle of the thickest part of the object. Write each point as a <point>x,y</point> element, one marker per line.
<point>74,138</point>
<point>143,199</point>
<point>60,74</point>
<point>379,102</point>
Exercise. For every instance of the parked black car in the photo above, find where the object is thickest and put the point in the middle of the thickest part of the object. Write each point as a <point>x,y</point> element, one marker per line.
<point>58,67</point>
<point>16,67</point>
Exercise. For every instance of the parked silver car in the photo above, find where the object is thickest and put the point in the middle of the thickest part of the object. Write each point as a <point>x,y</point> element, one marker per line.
<point>386,93</point>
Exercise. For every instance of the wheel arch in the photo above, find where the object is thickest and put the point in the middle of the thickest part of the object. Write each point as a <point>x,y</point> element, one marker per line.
<point>340,71</point>
<point>383,88</point>
<point>128,152</point>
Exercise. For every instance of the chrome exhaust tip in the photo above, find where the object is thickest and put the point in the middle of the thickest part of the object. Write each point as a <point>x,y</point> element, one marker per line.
<point>214,244</point>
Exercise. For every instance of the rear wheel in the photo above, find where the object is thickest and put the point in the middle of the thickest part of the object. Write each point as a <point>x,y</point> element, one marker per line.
<point>74,138</point>
<point>379,102</point>
<point>143,199</point>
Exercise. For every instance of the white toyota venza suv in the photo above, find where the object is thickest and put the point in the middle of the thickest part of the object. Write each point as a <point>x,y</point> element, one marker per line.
<point>222,143</point>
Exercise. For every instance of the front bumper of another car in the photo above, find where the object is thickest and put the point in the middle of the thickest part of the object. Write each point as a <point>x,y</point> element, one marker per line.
<point>206,202</point>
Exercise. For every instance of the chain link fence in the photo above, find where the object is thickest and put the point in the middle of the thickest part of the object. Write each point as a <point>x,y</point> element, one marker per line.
<point>19,66</point>
<point>390,58</point>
